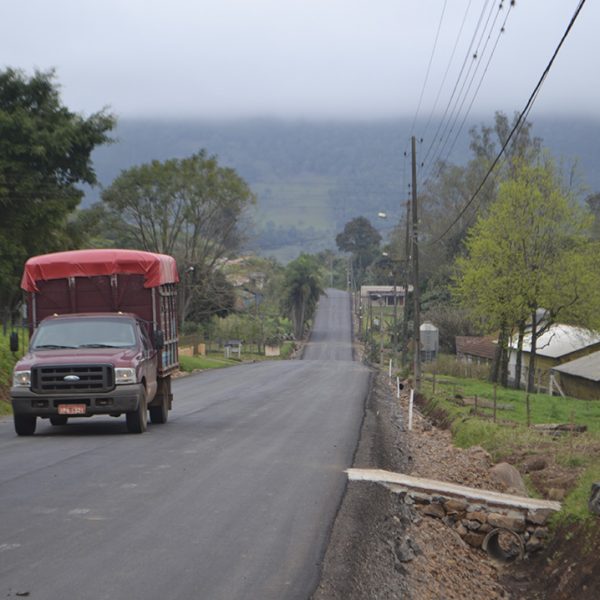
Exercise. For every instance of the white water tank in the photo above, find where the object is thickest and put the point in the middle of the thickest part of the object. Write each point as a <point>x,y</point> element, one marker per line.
<point>430,341</point>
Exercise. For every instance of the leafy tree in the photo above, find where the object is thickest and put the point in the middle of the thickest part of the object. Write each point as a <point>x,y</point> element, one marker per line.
<point>302,285</point>
<point>45,151</point>
<point>362,240</point>
<point>450,188</point>
<point>190,208</point>
<point>530,253</point>
<point>593,203</point>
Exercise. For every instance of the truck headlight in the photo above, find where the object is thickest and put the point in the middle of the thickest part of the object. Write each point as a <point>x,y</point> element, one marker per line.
<point>22,379</point>
<point>124,376</point>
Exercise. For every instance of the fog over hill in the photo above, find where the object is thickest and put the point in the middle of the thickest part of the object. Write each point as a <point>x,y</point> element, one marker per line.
<point>311,177</point>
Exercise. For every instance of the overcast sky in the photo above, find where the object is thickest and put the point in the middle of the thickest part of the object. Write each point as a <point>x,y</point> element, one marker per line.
<point>302,58</point>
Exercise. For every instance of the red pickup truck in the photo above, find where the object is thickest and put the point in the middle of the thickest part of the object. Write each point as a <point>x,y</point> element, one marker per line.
<point>103,338</point>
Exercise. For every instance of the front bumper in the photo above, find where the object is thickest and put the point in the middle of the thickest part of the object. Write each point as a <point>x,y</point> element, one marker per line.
<point>122,399</point>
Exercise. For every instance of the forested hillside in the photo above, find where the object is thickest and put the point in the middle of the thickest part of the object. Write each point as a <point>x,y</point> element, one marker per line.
<point>311,178</point>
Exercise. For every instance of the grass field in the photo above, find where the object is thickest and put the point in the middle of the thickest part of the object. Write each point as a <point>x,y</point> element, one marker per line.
<point>573,459</point>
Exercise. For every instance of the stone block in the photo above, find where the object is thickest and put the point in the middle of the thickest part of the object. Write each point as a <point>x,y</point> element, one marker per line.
<point>513,521</point>
<point>539,516</point>
<point>479,515</point>
<point>456,505</point>
<point>474,539</point>
<point>434,510</point>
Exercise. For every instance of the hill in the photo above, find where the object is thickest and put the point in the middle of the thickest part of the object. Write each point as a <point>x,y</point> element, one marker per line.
<point>311,177</point>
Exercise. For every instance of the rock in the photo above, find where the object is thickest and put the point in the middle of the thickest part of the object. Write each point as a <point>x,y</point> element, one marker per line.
<point>509,478</point>
<point>513,521</point>
<point>461,530</point>
<point>471,525</point>
<point>420,498</point>
<point>405,549</point>
<point>474,539</point>
<point>456,505</point>
<point>479,515</point>
<point>533,544</point>
<point>434,510</point>
<point>594,502</point>
<point>475,508</point>
<point>539,516</point>
<point>541,533</point>
<point>535,463</point>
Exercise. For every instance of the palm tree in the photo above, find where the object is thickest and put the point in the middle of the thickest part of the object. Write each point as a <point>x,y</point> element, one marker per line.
<point>302,284</point>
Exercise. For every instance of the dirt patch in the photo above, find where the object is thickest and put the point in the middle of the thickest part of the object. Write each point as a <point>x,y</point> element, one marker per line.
<point>566,570</point>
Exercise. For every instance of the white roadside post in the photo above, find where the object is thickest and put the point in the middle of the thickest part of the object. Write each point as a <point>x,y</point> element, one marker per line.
<point>410,409</point>
<point>390,370</point>
<point>397,387</point>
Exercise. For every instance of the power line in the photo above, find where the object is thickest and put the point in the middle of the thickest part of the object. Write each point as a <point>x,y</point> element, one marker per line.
<point>467,82</point>
<point>428,67</point>
<point>447,69</point>
<point>478,87</point>
<point>458,79</point>
<point>519,123</point>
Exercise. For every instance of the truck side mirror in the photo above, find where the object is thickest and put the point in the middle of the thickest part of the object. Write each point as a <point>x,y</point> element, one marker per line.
<point>14,342</point>
<point>159,339</point>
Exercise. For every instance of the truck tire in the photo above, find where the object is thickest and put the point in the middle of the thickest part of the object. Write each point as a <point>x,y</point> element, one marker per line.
<point>57,420</point>
<point>159,414</point>
<point>137,421</point>
<point>25,424</point>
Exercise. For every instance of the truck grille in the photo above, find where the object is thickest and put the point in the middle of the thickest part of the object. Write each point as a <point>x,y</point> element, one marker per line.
<point>93,378</point>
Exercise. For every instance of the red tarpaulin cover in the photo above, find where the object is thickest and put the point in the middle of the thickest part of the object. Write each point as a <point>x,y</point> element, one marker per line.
<point>156,268</point>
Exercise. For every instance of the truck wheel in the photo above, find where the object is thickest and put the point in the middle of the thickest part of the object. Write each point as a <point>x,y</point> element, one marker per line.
<point>59,420</point>
<point>159,414</point>
<point>25,424</point>
<point>137,421</point>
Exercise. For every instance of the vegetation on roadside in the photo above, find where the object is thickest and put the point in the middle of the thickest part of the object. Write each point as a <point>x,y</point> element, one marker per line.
<point>572,459</point>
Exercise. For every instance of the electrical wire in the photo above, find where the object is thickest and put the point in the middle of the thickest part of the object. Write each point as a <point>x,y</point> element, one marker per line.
<point>473,98</point>
<point>437,35</point>
<point>439,92</point>
<point>517,126</point>
<point>457,82</point>
<point>467,83</point>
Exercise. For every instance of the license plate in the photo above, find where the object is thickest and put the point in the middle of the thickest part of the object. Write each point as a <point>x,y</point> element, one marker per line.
<point>71,409</point>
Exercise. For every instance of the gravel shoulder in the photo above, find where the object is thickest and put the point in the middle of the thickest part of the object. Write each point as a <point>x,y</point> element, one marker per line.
<point>380,550</point>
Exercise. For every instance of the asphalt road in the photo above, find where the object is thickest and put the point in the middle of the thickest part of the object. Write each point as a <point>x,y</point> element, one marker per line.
<point>232,499</point>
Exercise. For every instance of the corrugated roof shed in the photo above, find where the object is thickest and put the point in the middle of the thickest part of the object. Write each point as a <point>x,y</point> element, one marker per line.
<point>560,340</point>
<point>587,367</point>
<point>484,347</point>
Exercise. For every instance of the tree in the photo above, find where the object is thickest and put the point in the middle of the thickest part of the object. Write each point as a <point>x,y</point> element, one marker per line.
<point>362,240</point>
<point>593,203</point>
<point>531,252</point>
<point>45,151</point>
<point>302,285</point>
<point>190,208</point>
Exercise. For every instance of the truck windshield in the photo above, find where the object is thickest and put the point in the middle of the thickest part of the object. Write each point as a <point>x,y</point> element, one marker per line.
<point>84,333</point>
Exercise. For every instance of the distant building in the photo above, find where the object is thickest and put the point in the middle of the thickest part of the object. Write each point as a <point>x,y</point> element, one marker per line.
<point>375,293</point>
<point>476,349</point>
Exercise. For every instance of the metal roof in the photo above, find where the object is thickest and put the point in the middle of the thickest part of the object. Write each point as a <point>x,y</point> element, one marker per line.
<point>587,367</point>
<point>559,340</point>
<point>366,290</point>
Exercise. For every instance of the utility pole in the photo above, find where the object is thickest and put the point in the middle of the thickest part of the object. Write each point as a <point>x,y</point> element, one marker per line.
<point>415,257</point>
<point>406,283</point>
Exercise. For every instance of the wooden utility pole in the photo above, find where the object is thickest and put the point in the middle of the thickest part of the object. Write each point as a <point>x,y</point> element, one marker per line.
<point>406,283</point>
<point>415,259</point>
